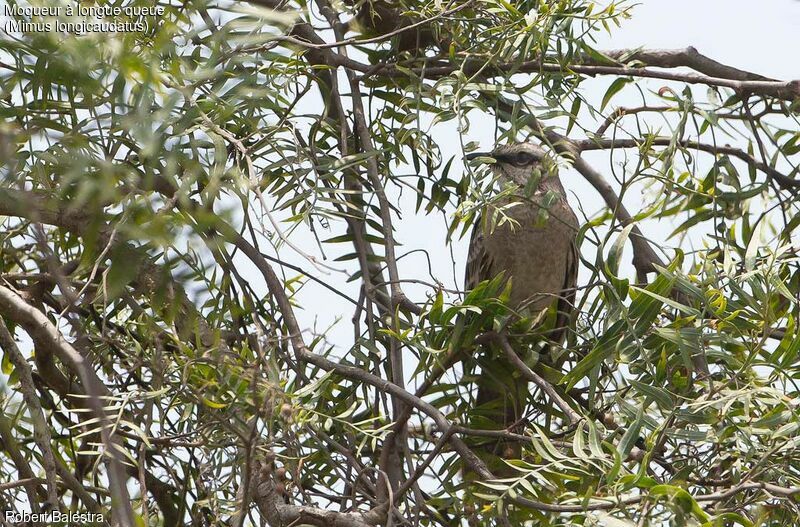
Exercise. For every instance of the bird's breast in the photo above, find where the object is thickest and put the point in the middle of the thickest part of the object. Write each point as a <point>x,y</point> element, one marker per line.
<point>534,253</point>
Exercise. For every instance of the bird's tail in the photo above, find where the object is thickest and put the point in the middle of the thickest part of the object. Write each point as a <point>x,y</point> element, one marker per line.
<point>501,400</point>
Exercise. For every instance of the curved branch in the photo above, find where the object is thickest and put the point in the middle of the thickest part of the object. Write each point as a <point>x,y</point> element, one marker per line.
<point>572,416</point>
<point>270,503</point>
<point>785,90</point>
<point>41,432</point>
<point>44,333</point>
<point>687,57</point>
<point>781,179</point>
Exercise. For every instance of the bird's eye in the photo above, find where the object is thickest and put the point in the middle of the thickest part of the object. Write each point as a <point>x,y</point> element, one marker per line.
<point>522,159</point>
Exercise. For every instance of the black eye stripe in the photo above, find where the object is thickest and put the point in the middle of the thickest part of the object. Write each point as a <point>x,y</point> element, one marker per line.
<point>518,159</point>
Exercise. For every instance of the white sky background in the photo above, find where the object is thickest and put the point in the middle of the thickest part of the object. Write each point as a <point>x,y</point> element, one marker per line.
<point>760,37</point>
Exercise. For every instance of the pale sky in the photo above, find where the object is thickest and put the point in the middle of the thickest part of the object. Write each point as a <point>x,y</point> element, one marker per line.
<point>757,36</point>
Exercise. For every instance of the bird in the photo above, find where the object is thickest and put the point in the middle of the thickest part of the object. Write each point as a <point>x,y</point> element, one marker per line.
<point>540,258</point>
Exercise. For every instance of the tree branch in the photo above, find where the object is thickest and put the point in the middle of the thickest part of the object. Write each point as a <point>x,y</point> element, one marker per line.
<point>572,416</point>
<point>709,71</point>
<point>44,333</point>
<point>41,432</point>
<point>278,292</point>
<point>280,514</point>
<point>783,180</point>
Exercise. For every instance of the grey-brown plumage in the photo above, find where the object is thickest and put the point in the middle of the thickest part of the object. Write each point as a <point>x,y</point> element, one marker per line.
<point>540,258</point>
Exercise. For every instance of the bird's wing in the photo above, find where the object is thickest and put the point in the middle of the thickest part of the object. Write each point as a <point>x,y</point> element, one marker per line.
<point>479,264</point>
<point>500,398</point>
<point>566,301</point>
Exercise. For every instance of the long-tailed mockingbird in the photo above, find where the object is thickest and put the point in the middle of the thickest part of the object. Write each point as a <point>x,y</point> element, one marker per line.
<point>537,252</point>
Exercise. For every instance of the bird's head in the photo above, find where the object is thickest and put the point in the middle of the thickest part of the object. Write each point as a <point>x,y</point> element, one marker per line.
<point>518,162</point>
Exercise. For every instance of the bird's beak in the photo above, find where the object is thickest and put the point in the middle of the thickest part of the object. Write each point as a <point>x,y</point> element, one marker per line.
<point>476,155</point>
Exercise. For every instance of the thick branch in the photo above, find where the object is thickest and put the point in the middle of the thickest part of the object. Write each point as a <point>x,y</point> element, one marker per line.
<point>279,514</point>
<point>785,90</point>
<point>41,432</point>
<point>687,57</point>
<point>44,333</point>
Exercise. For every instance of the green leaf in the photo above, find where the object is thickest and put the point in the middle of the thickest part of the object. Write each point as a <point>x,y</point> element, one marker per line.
<point>615,87</point>
<point>751,255</point>
<point>574,111</point>
<point>602,350</point>
<point>631,435</point>
<point>213,404</point>
<point>615,253</point>
<point>125,265</point>
<point>659,395</point>
<point>436,309</point>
